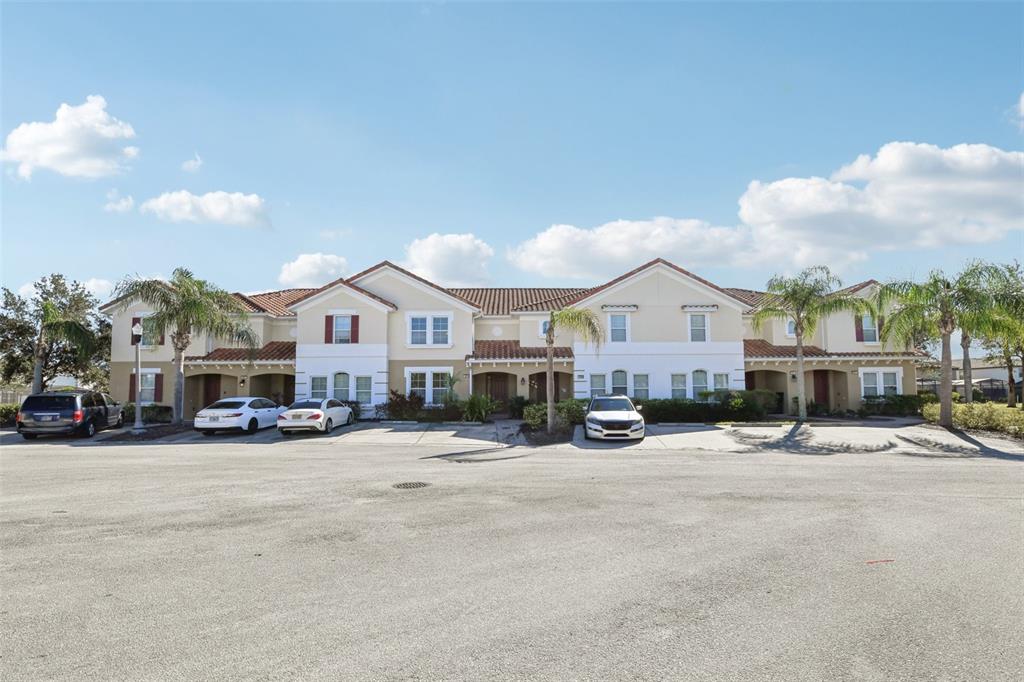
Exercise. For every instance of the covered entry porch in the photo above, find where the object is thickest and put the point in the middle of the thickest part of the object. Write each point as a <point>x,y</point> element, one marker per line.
<point>226,372</point>
<point>504,369</point>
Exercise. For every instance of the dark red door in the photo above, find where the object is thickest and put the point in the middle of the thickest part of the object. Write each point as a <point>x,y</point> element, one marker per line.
<point>211,389</point>
<point>821,387</point>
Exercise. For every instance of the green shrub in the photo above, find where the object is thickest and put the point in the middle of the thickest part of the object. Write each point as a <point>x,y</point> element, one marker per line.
<point>8,411</point>
<point>892,405</point>
<point>984,416</point>
<point>478,408</point>
<point>535,415</point>
<point>404,407</point>
<point>764,399</point>
<point>151,414</point>
<point>572,410</point>
<point>516,405</point>
<point>728,406</point>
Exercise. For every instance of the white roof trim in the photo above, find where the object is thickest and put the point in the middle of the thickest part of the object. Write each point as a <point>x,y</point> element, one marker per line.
<point>725,298</point>
<point>320,295</point>
<point>385,270</point>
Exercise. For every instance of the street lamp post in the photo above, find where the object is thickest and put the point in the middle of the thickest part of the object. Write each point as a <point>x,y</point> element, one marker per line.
<point>137,335</point>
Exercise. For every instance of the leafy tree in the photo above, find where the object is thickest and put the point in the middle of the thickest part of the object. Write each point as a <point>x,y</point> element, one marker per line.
<point>941,305</point>
<point>585,324</point>
<point>185,306</point>
<point>806,299</point>
<point>57,331</point>
<point>1004,338</point>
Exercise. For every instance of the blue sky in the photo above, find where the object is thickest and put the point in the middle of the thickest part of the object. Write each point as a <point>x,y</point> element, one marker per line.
<point>518,135</point>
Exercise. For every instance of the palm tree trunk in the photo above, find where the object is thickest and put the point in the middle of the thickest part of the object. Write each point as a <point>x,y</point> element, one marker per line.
<point>550,381</point>
<point>179,385</point>
<point>965,345</point>
<point>37,365</point>
<point>801,398</point>
<point>1011,385</point>
<point>946,383</point>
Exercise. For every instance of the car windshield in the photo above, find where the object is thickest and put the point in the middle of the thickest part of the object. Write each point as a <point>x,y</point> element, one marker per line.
<point>226,405</point>
<point>48,402</point>
<point>305,405</point>
<point>610,405</point>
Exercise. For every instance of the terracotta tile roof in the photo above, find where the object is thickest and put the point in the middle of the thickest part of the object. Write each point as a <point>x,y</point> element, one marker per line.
<point>275,350</point>
<point>752,297</point>
<point>503,300</point>
<point>854,288</point>
<point>389,264</point>
<point>554,303</point>
<point>511,350</point>
<point>273,302</point>
<point>656,261</point>
<point>759,348</point>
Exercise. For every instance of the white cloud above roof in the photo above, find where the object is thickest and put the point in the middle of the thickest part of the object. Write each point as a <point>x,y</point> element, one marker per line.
<point>117,203</point>
<point>454,260</point>
<point>312,270</point>
<point>81,141</point>
<point>224,208</point>
<point>192,165</point>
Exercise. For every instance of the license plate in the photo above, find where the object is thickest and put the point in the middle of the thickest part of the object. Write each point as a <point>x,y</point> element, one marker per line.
<point>46,417</point>
<point>296,416</point>
<point>215,419</point>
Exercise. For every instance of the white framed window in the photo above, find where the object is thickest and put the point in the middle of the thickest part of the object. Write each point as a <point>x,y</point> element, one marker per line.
<point>439,331</point>
<point>878,381</point>
<point>721,382</point>
<point>342,329</point>
<point>597,385</point>
<point>791,328</point>
<point>341,384</point>
<point>698,327</point>
<point>618,328</point>
<point>150,336</point>
<point>429,330</point>
<point>869,329</point>
<point>620,380</point>
<point>542,328</point>
<point>641,387</point>
<point>318,388</point>
<point>147,394</point>
<point>679,386</point>
<point>364,390</point>
<point>700,384</point>
<point>418,384</point>
<point>439,388</point>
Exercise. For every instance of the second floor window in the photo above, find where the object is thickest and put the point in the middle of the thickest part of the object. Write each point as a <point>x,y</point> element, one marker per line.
<point>440,331</point>
<point>618,326</point>
<point>418,331</point>
<point>791,328</point>
<point>342,329</point>
<point>869,330</point>
<point>430,330</point>
<point>698,327</point>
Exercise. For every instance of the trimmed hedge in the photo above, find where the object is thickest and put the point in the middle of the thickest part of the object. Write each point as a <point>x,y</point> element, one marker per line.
<point>727,406</point>
<point>983,416</point>
<point>893,405</point>
<point>151,414</point>
<point>567,412</point>
<point>8,411</point>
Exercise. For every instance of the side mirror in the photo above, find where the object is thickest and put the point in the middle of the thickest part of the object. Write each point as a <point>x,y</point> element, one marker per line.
<point>639,408</point>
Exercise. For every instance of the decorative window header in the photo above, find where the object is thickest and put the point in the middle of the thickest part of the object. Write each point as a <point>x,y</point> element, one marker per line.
<point>698,308</point>
<point>627,308</point>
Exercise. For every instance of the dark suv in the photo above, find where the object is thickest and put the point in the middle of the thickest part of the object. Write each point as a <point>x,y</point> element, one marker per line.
<point>68,412</point>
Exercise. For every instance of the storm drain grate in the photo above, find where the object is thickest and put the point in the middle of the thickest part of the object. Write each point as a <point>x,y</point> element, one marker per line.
<point>409,485</point>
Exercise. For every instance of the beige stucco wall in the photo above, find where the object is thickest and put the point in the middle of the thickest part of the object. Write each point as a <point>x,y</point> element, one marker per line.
<point>496,329</point>
<point>310,319</point>
<point>774,332</point>
<point>841,337</point>
<point>844,380</point>
<point>529,332</point>
<point>660,317</point>
<point>411,297</point>
<point>396,373</point>
<point>121,374</point>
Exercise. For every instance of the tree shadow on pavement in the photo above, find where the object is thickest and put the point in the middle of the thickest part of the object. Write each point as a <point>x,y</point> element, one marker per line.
<point>971,448</point>
<point>800,441</point>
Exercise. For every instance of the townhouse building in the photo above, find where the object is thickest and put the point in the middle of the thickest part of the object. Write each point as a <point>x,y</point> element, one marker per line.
<point>667,333</point>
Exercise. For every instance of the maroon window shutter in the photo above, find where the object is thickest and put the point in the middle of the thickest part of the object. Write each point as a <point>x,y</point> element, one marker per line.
<point>135,339</point>
<point>131,389</point>
<point>158,390</point>
<point>355,329</point>
<point>161,339</point>
<point>858,327</point>
<point>328,328</point>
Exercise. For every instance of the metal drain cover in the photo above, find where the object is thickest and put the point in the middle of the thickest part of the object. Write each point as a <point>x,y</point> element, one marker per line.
<point>409,485</point>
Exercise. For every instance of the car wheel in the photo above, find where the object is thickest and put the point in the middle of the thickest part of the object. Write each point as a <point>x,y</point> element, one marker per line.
<point>89,430</point>
<point>120,420</point>
<point>329,426</point>
<point>29,436</point>
<point>254,426</point>
<point>207,432</point>
<point>350,420</point>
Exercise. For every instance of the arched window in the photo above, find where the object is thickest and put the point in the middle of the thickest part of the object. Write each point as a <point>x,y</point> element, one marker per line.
<point>620,385</point>
<point>341,386</point>
<point>700,384</point>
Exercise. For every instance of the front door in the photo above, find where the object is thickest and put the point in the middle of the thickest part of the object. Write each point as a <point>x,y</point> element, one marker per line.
<point>211,389</point>
<point>497,387</point>
<point>821,387</point>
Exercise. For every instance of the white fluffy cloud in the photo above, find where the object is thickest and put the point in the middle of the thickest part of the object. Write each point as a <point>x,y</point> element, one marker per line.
<point>82,141</point>
<point>100,288</point>
<point>906,196</point>
<point>450,259</point>
<point>192,165</point>
<point>225,208</point>
<point>117,203</point>
<point>312,270</point>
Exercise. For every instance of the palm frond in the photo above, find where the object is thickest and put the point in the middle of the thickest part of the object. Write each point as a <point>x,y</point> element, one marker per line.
<point>583,322</point>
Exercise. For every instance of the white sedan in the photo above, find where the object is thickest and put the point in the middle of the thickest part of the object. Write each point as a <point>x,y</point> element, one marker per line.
<point>245,413</point>
<point>613,417</point>
<point>314,415</point>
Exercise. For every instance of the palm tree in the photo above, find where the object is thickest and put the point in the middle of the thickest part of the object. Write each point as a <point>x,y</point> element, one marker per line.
<point>940,305</point>
<point>56,326</point>
<point>1003,337</point>
<point>186,306</point>
<point>806,299</point>
<point>585,324</point>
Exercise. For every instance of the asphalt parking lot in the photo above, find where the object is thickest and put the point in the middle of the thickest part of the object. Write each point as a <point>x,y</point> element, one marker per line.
<point>782,556</point>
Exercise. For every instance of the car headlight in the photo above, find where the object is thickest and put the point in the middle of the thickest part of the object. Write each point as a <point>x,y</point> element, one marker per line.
<point>593,422</point>
<point>638,422</point>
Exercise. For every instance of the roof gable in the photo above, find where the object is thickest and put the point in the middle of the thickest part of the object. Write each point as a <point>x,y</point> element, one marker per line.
<point>387,267</point>
<point>660,265</point>
<point>341,283</point>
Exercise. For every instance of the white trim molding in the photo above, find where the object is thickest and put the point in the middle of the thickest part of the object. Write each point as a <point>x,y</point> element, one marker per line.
<point>627,308</point>
<point>700,308</point>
